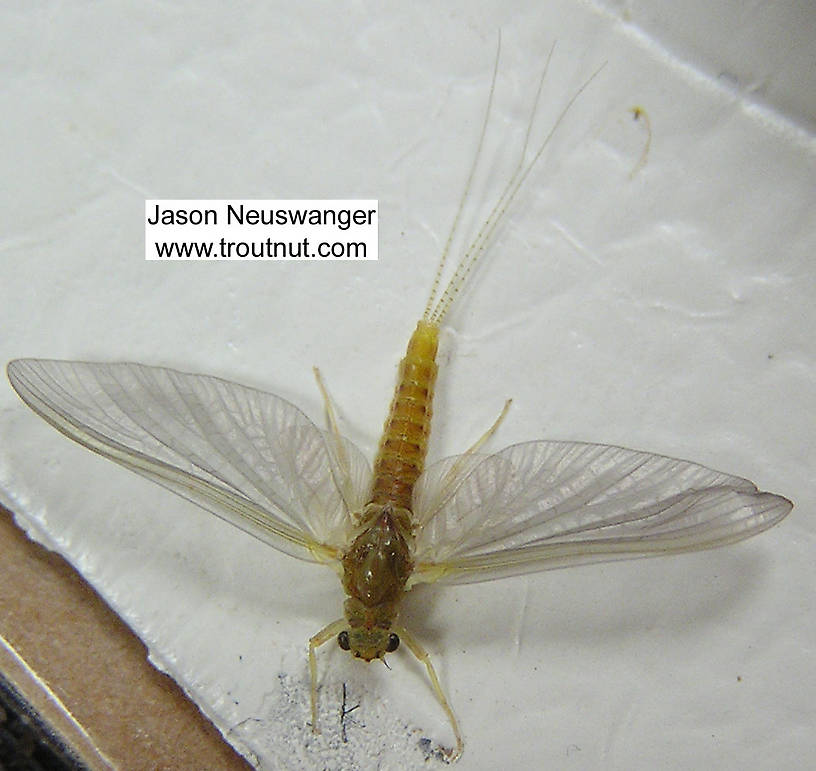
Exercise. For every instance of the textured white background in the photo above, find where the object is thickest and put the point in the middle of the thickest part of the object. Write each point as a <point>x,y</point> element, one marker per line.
<point>670,311</point>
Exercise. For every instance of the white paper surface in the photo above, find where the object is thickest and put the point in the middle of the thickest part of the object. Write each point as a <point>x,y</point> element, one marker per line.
<point>669,310</point>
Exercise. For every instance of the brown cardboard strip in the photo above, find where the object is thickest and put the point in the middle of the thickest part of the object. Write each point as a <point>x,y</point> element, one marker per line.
<point>85,674</point>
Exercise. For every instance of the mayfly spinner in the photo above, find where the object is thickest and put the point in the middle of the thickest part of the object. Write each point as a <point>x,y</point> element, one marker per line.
<point>258,462</point>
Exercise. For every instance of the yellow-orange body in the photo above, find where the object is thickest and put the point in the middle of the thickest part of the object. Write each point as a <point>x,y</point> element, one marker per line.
<point>378,563</point>
<point>404,444</point>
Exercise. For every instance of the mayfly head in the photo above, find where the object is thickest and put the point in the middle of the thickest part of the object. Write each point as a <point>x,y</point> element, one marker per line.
<point>369,634</point>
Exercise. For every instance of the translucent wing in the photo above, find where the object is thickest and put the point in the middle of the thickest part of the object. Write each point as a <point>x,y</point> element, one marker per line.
<point>247,456</point>
<point>544,505</point>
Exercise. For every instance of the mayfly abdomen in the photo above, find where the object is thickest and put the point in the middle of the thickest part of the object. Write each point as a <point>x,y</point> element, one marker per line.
<point>404,444</point>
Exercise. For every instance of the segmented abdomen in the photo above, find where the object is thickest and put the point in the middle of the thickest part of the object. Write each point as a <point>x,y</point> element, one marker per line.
<point>401,456</point>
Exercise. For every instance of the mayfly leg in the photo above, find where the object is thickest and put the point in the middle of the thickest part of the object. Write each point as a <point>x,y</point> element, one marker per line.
<point>453,472</point>
<point>344,483</point>
<point>327,403</point>
<point>323,636</point>
<point>476,446</point>
<point>422,656</point>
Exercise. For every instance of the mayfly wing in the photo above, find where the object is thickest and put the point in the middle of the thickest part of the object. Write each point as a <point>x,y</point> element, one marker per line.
<point>545,505</point>
<point>247,456</point>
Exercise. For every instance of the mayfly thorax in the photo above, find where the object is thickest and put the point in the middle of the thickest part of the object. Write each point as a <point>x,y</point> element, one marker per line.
<point>258,462</point>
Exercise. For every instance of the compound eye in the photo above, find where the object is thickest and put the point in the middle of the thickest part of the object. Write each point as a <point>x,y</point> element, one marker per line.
<point>343,641</point>
<point>393,643</point>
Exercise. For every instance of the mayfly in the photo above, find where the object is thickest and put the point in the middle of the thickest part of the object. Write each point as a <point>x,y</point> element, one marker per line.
<point>258,462</point>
